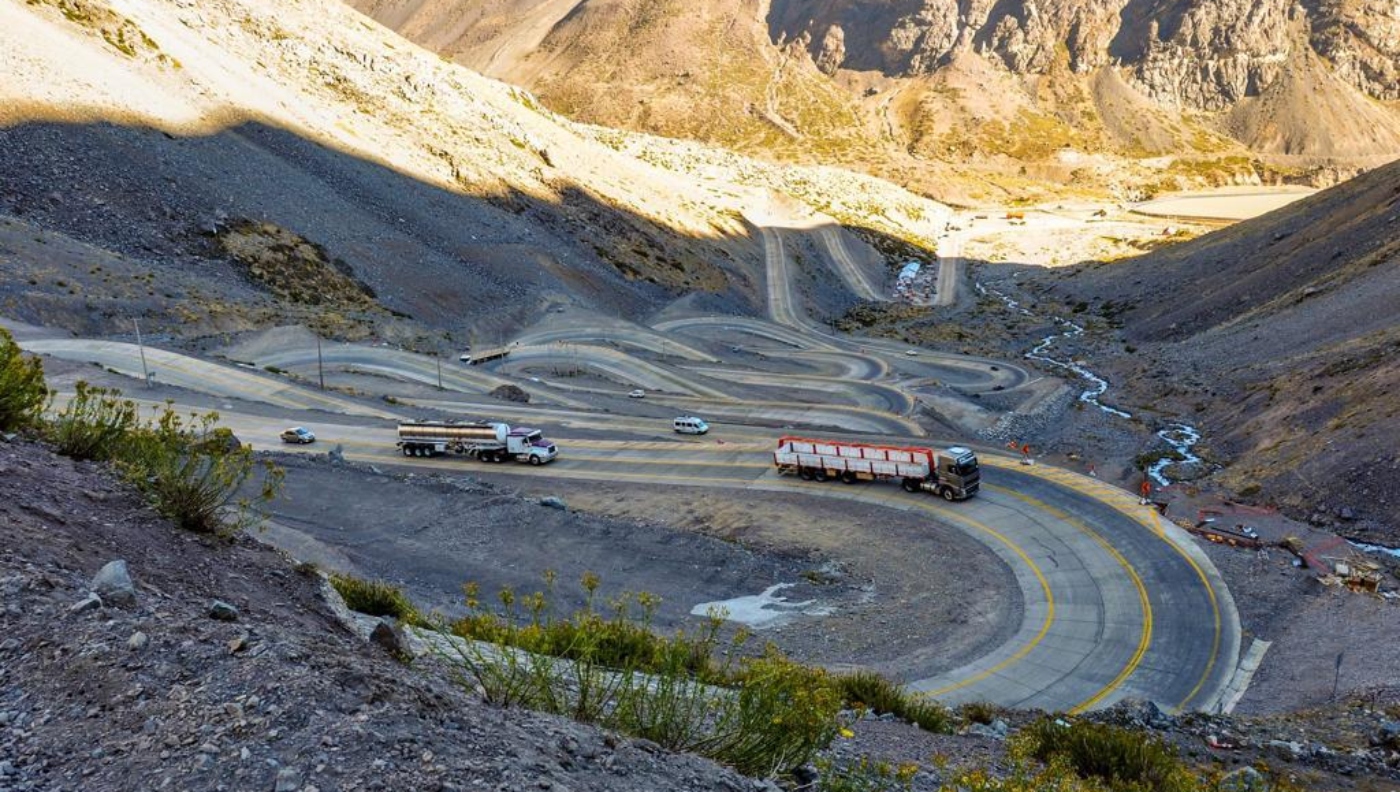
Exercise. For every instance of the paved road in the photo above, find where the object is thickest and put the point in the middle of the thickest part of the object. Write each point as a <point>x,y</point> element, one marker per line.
<point>780,302</point>
<point>1116,603</point>
<point>853,274</point>
<point>950,265</point>
<point>201,376</point>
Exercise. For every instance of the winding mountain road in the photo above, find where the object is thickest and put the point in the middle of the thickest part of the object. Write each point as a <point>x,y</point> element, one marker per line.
<point>1116,602</point>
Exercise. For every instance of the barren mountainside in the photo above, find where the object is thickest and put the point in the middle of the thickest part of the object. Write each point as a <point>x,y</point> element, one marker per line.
<point>985,86</point>
<point>227,170</point>
<point>1279,335</point>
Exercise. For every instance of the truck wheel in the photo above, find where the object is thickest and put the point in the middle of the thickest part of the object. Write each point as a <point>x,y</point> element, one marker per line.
<point>805,474</point>
<point>406,451</point>
<point>910,485</point>
<point>536,461</point>
<point>848,477</point>
<point>819,474</point>
<point>947,493</point>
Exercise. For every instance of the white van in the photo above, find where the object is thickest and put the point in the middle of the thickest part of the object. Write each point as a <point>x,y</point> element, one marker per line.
<point>689,424</point>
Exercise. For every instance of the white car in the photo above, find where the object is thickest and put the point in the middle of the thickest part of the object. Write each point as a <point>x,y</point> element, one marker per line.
<point>637,394</point>
<point>911,352</point>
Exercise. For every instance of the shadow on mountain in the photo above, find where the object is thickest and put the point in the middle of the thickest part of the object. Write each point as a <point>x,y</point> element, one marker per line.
<point>449,259</point>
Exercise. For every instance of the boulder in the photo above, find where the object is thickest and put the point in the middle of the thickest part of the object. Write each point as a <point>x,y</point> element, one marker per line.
<point>90,602</point>
<point>113,584</point>
<point>222,611</point>
<point>389,635</point>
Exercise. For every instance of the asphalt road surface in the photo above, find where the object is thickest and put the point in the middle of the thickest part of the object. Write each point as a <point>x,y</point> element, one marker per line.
<point>1116,602</point>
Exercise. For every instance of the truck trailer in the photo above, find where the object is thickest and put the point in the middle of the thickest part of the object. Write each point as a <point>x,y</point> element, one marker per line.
<point>487,441</point>
<point>951,473</point>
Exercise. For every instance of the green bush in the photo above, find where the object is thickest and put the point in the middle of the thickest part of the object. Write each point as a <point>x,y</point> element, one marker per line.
<point>376,598</point>
<point>193,470</point>
<point>23,392</point>
<point>978,712</point>
<point>765,716</point>
<point>785,712</point>
<point>864,775</point>
<point>880,695</point>
<point>94,424</point>
<point>1124,760</point>
<point>1054,776</point>
<point>620,641</point>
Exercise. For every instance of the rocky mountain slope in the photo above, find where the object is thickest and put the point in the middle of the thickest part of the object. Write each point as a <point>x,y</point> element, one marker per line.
<point>146,689</point>
<point>1280,336</point>
<point>230,165</point>
<point>222,664</point>
<point>999,85</point>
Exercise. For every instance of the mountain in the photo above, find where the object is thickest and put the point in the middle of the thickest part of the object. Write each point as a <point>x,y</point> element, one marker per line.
<point>704,71</point>
<point>1280,336</point>
<point>217,167</point>
<point>1176,92</point>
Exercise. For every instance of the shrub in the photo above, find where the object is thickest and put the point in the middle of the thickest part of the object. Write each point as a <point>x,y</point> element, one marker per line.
<point>23,392</point>
<point>193,470</point>
<point>766,716</point>
<point>94,424</point>
<point>878,694</point>
<point>864,775</point>
<point>1055,776</point>
<point>1122,759</point>
<point>784,713</point>
<point>978,712</point>
<point>376,598</point>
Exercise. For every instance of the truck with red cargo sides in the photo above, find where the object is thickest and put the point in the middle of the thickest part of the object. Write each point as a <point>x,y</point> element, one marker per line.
<point>487,441</point>
<point>951,473</point>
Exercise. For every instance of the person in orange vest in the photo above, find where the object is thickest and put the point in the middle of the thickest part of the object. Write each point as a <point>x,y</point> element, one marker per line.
<point>1026,455</point>
<point>1146,490</point>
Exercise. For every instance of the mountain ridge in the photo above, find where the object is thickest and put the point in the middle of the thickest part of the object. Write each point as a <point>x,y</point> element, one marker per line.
<point>855,83</point>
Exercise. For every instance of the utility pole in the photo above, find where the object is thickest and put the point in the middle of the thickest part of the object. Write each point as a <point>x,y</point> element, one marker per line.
<point>1337,673</point>
<point>145,373</point>
<point>320,367</point>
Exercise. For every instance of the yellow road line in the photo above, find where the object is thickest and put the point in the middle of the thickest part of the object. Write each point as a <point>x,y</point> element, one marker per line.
<point>1145,635</point>
<point>1125,503</point>
<point>950,516</point>
<point>1045,625</point>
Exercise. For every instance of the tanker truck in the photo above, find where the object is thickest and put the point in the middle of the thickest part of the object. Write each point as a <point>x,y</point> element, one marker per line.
<point>487,441</point>
<point>951,473</point>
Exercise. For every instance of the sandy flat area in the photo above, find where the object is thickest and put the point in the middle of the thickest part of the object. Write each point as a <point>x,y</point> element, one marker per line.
<point>1232,203</point>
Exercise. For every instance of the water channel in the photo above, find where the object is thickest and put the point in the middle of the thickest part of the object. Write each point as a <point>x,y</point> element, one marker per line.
<point>1180,437</point>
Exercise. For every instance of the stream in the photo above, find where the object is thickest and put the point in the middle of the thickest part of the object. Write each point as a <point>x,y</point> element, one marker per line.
<point>1180,437</point>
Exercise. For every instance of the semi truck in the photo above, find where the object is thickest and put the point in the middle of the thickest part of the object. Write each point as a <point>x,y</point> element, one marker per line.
<point>951,473</point>
<point>480,356</point>
<point>487,441</point>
